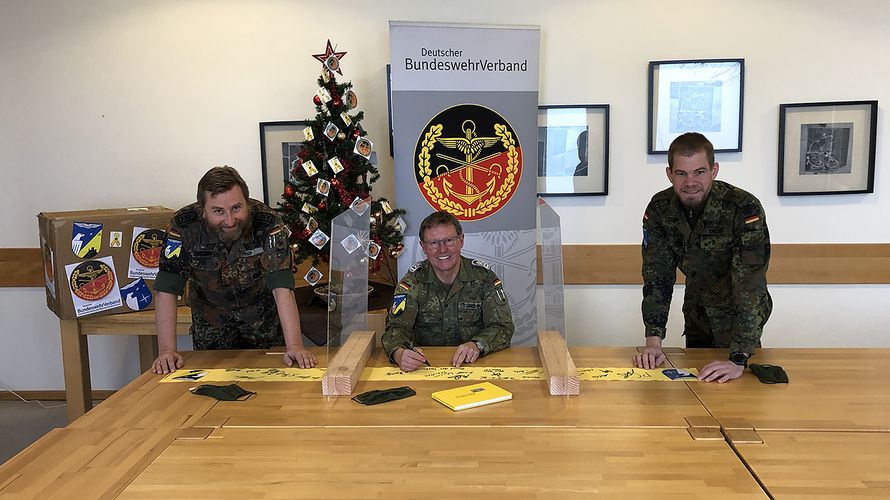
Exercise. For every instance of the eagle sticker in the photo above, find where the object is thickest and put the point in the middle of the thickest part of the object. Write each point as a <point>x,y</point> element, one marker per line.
<point>86,239</point>
<point>468,161</point>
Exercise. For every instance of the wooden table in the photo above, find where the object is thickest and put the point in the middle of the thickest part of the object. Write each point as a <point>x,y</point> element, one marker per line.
<point>616,439</point>
<point>445,463</point>
<point>76,356</point>
<point>830,389</point>
<point>602,404</point>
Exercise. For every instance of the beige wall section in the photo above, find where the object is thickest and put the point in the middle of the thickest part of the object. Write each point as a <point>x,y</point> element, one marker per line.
<point>109,104</point>
<point>609,265</point>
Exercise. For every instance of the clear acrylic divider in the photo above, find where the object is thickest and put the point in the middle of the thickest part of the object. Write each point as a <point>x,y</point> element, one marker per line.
<point>348,285</point>
<point>553,319</point>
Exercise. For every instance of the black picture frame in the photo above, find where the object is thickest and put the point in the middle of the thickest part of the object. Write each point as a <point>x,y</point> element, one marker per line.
<point>696,95</point>
<point>827,148</point>
<point>389,106</point>
<point>565,167</point>
<point>274,159</point>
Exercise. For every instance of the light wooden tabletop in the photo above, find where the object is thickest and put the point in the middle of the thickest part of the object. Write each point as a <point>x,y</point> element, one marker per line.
<point>616,438</point>
<point>601,404</point>
<point>830,389</point>
<point>445,463</point>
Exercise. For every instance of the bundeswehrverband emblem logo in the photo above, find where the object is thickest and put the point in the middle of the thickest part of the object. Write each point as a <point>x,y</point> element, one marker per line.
<point>468,162</point>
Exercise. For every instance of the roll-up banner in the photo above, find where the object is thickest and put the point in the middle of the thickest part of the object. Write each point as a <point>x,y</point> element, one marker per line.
<point>464,115</point>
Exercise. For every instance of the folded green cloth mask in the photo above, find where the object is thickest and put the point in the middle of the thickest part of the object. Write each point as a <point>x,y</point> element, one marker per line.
<point>231,392</point>
<point>769,374</point>
<point>384,395</point>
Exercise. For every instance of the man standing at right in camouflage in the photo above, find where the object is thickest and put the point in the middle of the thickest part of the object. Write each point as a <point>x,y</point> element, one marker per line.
<point>716,234</point>
<point>447,299</point>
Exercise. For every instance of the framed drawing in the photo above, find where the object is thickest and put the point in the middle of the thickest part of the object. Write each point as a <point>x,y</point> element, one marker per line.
<point>827,147</point>
<point>280,143</point>
<point>702,95</point>
<point>573,150</point>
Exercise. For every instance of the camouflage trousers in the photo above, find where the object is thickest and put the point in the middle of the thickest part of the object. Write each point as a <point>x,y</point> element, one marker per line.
<point>235,333</point>
<point>711,326</point>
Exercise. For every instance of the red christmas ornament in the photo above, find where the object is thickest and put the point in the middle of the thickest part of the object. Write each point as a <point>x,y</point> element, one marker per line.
<point>306,233</point>
<point>335,181</point>
<point>316,100</point>
<point>289,191</point>
<point>356,133</point>
<point>336,101</point>
<point>322,205</point>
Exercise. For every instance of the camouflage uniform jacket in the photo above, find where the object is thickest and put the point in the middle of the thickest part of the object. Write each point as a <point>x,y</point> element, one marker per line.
<point>429,313</point>
<point>226,283</point>
<point>724,258</point>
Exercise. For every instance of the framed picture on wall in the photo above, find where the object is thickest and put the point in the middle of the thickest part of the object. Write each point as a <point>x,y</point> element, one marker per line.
<point>389,106</point>
<point>701,95</point>
<point>827,147</point>
<point>573,150</point>
<point>280,144</point>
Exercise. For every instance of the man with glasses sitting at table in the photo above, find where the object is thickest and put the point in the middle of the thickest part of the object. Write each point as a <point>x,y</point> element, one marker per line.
<point>447,300</point>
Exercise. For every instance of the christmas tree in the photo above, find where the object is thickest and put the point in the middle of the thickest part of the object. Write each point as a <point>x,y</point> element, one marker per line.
<point>332,172</point>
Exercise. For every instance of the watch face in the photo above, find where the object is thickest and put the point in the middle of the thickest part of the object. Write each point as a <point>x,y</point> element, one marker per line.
<point>739,358</point>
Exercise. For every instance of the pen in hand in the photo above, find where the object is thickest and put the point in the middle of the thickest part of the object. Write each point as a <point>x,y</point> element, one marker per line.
<point>410,347</point>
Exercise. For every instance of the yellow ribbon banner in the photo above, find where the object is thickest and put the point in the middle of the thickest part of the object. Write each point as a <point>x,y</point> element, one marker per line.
<point>427,373</point>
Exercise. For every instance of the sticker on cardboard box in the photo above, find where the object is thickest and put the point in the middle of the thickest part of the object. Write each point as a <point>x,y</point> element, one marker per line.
<point>93,286</point>
<point>115,239</point>
<point>49,268</point>
<point>136,294</point>
<point>145,252</point>
<point>86,239</point>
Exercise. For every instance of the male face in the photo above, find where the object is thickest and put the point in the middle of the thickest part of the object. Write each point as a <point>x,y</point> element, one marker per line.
<point>227,213</point>
<point>435,244</point>
<point>692,178</point>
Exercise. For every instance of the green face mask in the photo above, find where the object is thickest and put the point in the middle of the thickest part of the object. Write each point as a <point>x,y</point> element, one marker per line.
<point>231,392</point>
<point>384,395</point>
<point>770,374</point>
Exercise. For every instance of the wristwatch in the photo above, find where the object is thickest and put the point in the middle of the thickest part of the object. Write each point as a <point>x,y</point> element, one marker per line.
<point>739,358</point>
<point>479,346</point>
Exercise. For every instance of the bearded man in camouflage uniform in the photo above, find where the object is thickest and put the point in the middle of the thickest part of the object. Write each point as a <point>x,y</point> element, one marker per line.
<point>447,300</point>
<point>233,252</point>
<point>716,234</point>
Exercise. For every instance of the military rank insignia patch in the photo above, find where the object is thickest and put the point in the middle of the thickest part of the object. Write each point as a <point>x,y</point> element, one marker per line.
<point>468,161</point>
<point>398,304</point>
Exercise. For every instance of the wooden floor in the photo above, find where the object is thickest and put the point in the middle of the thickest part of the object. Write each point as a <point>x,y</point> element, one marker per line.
<point>826,434</point>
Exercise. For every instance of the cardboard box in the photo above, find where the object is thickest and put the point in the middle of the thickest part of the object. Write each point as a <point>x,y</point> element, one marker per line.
<point>101,261</point>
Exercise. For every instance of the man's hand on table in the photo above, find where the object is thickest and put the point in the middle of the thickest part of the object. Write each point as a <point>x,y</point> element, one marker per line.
<point>720,371</point>
<point>301,356</point>
<point>407,359</point>
<point>465,353</point>
<point>652,355</point>
<point>167,362</point>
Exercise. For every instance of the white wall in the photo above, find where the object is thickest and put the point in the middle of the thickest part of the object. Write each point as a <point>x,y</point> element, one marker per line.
<point>108,103</point>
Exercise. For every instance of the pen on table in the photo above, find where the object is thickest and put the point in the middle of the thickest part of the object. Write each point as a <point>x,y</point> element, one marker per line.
<point>410,347</point>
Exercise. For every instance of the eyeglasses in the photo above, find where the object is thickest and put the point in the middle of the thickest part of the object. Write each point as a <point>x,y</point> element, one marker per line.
<point>448,242</point>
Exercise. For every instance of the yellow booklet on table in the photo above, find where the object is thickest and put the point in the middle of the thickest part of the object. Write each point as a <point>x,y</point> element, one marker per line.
<point>471,396</point>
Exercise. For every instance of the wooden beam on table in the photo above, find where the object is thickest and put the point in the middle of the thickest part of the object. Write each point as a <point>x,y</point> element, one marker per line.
<point>559,368</point>
<point>347,365</point>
